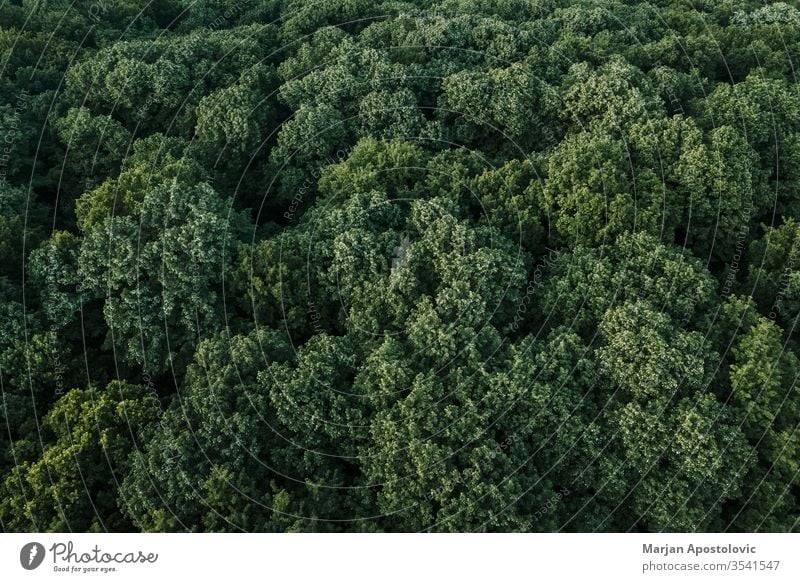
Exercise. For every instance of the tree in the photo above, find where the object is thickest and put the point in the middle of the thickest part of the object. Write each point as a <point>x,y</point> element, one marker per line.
<point>160,276</point>
<point>72,486</point>
<point>497,105</point>
<point>583,284</point>
<point>210,461</point>
<point>510,200</point>
<point>99,143</point>
<point>237,117</point>
<point>681,450</point>
<point>763,382</point>
<point>772,276</point>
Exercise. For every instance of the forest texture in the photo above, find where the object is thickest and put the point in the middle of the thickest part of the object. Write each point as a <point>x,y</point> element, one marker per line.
<point>364,266</point>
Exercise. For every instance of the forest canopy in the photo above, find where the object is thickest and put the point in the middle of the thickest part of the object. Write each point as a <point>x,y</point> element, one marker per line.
<point>394,266</point>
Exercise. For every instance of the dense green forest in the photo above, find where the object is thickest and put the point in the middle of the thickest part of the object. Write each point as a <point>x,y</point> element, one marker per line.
<point>366,266</point>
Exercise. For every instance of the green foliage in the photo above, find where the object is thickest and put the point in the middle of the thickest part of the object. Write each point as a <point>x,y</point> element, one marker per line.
<point>90,435</point>
<point>774,273</point>
<point>235,116</point>
<point>463,265</point>
<point>160,271</point>
<point>98,143</point>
